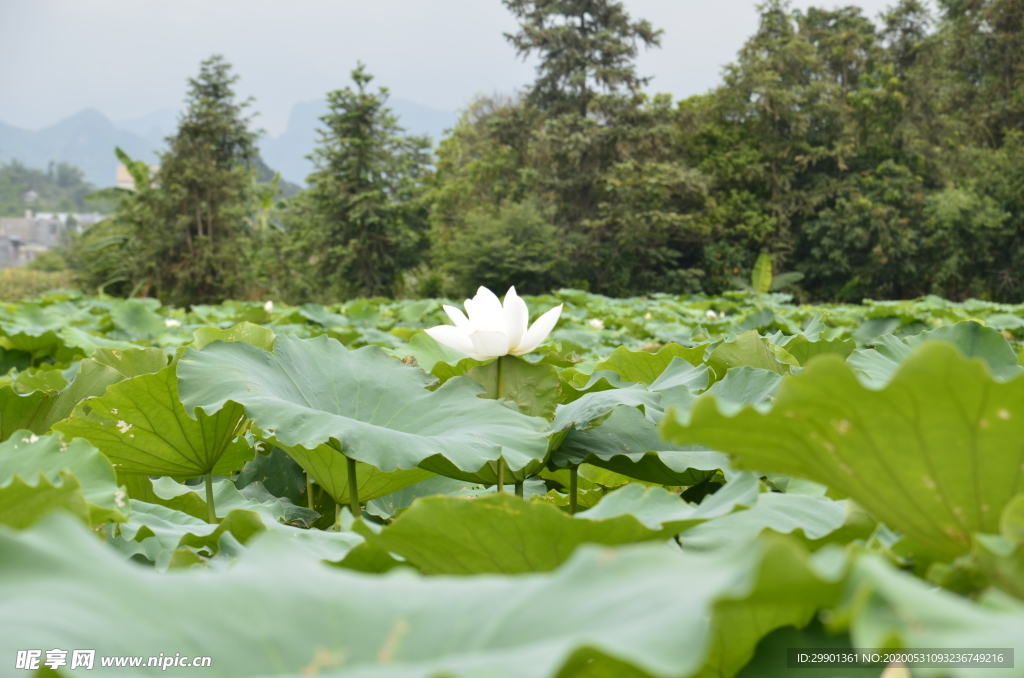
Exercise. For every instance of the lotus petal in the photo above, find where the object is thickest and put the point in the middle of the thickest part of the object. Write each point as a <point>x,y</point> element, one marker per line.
<point>517,318</point>
<point>452,337</point>
<point>536,335</point>
<point>488,344</point>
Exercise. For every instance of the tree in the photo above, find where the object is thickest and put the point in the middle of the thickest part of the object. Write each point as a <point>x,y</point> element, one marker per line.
<point>516,246</point>
<point>986,43</point>
<point>206,181</point>
<point>360,224</point>
<point>586,48</point>
<point>184,235</point>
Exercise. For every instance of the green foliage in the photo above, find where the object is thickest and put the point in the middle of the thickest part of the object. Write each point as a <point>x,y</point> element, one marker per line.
<point>185,235</point>
<point>45,473</point>
<point>358,226</point>
<point>867,158</point>
<point>61,188</point>
<point>350,407</point>
<point>585,47</point>
<point>18,282</point>
<point>885,499</point>
<point>517,246</point>
<point>141,425</point>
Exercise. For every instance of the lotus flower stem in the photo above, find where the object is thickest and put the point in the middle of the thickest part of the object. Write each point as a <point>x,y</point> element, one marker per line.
<point>353,488</point>
<point>519,488</point>
<point>500,395</point>
<point>211,512</point>
<point>337,517</point>
<point>309,492</point>
<point>574,472</point>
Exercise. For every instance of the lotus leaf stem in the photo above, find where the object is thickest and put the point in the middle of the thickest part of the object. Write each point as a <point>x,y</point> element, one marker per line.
<point>500,395</point>
<point>574,472</point>
<point>211,512</point>
<point>353,488</point>
<point>309,492</point>
<point>519,488</point>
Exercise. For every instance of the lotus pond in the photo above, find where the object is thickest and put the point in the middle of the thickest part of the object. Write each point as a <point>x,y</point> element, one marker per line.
<point>666,486</point>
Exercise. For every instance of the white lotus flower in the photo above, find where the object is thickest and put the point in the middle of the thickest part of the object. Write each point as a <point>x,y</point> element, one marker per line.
<point>171,322</point>
<point>596,323</point>
<point>268,307</point>
<point>492,330</point>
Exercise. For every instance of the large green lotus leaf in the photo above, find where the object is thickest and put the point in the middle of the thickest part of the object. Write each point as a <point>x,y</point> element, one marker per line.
<point>24,502</point>
<point>816,517</point>
<point>191,499</point>
<point>323,317</point>
<point>135,320</point>
<point>131,362</point>
<point>935,455</point>
<point>679,380</point>
<point>45,471</point>
<point>165,492</point>
<point>628,443</point>
<point>1011,523</point>
<point>142,427</point>
<point>811,342</point>
<point>575,385</point>
<point>12,358</point>
<point>498,533</point>
<point>30,411</point>
<point>39,379</point>
<point>771,658</point>
<point>387,506</point>
<point>875,327</point>
<point>659,509</point>
<point>641,608</point>
<point>747,350</point>
<point>88,343</point>
<point>278,472</point>
<point>738,627</point>
<point>243,332</point>
<point>34,328</point>
<point>645,368</point>
<point>745,386</point>
<point>890,608</point>
<point>156,532</point>
<point>1001,556</point>
<point>435,358</point>
<point>534,388</point>
<point>625,439</point>
<point>38,411</point>
<point>876,366</point>
<point>311,392</point>
<point>804,349</point>
<point>329,467</point>
<point>582,413</point>
<point>95,375</point>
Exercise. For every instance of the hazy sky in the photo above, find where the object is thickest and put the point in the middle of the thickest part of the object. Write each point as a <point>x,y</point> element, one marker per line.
<point>128,58</point>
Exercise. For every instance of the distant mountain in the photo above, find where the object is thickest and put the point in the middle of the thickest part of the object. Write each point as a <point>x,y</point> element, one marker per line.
<point>154,127</point>
<point>287,152</point>
<point>87,139</point>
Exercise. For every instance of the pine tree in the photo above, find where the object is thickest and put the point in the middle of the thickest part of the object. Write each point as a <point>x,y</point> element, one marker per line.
<point>359,225</point>
<point>586,47</point>
<point>206,181</point>
<point>185,234</point>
